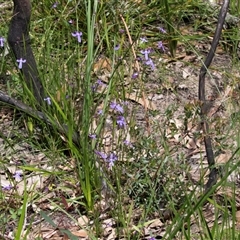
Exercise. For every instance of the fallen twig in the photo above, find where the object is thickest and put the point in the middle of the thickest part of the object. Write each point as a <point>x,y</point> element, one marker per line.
<point>63,129</point>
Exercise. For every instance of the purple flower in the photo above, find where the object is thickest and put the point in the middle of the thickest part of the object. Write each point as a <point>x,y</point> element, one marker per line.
<point>117,107</point>
<point>162,30</point>
<point>20,62</point>
<point>78,36</point>
<point>116,47</point>
<point>18,175</point>
<point>94,87</point>
<point>48,100</point>
<point>7,187</point>
<point>145,53</point>
<point>160,46</point>
<point>2,40</point>
<point>70,21</point>
<point>111,159</point>
<point>121,122</point>
<point>152,238</point>
<point>150,62</point>
<point>100,112</point>
<point>128,143</point>
<point>55,5</point>
<point>143,40</point>
<point>98,83</point>
<point>121,30</point>
<point>135,75</point>
<point>92,136</point>
<point>101,154</point>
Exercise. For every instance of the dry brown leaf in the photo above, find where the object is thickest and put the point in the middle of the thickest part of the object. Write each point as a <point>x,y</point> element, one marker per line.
<point>157,223</point>
<point>238,217</point>
<point>223,157</point>
<point>83,221</point>
<point>112,235</point>
<point>81,233</point>
<point>49,234</point>
<point>238,220</point>
<point>102,64</point>
<point>65,237</point>
<point>134,97</point>
<point>190,58</point>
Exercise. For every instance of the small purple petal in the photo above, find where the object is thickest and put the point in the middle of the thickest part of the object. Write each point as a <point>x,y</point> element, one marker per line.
<point>70,21</point>
<point>116,47</point>
<point>55,5</point>
<point>100,112</point>
<point>93,136</point>
<point>18,175</point>
<point>135,75</point>
<point>2,40</point>
<point>7,187</point>
<point>121,121</point>
<point>127,143</point>
<point>111,159</point>
<point>78,36</point>
<point>138,58</point>
<point>145,53</point>
<point>48,100</point>
<point>150,62</point>
<point>101,154</point>
<point>162,30</point>
<point>143,40</point>
<point>20,62</point>
<point>160,46</point>
<point>94,87</point>
<point>117,107</point>
<point>113,105</point>
<point>99,82</point>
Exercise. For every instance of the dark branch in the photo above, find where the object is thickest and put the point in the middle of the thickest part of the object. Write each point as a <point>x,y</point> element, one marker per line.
<point>19,41</point>
<point>201,96</point>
